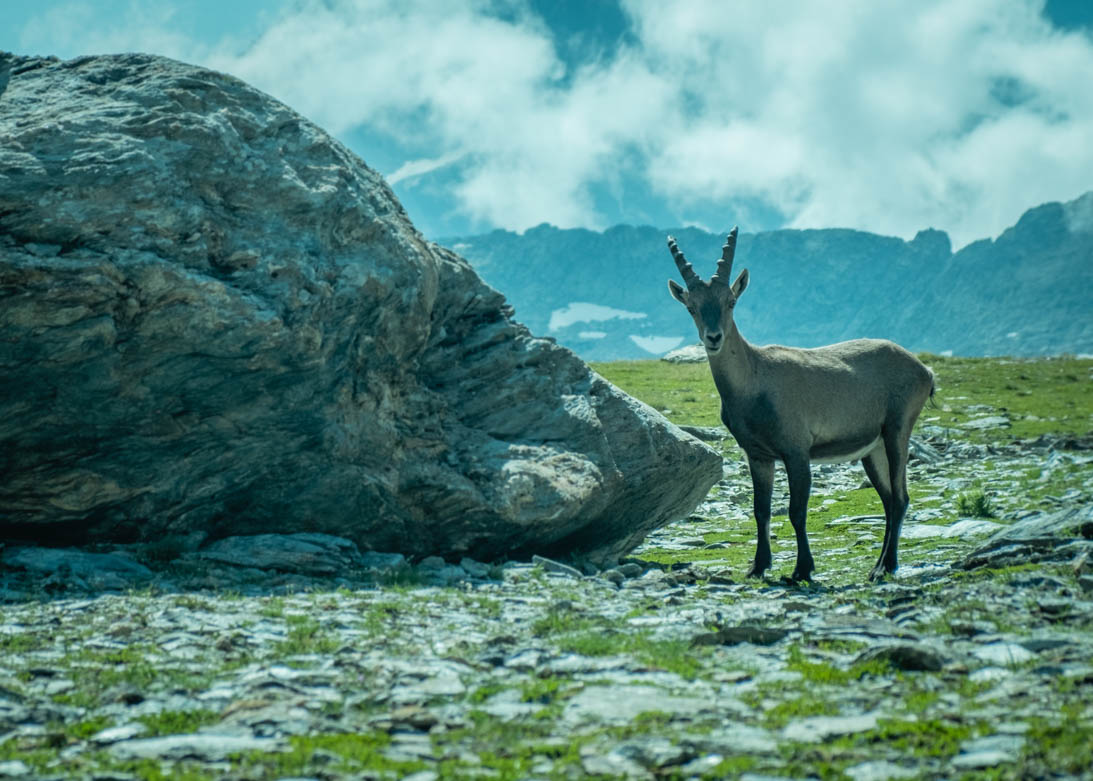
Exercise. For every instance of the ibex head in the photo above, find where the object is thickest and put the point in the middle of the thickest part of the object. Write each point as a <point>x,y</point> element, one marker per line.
<point>710,303</point>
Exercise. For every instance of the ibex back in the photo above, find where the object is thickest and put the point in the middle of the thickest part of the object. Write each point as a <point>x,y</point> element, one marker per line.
<point>856,399</point>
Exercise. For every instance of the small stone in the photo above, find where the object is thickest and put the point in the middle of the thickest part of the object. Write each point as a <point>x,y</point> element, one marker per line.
<point>476,569</point>
<point>384,562</point>
<point>1003,653</point>
<point>1082,564</point>
<point>701,767</point>
<point>987,422</point>
<point>121,732</point>
<point>734,635</point>
<point>817,729</point>
<point>14,768</point>
<point>556,567</point>
<point>879,770</point>
<point>906,656</point>
<point>422,775</point>
<point>200,746</point>
<point>431,562</point>
<point>613,575</point>
<point>630,569</point>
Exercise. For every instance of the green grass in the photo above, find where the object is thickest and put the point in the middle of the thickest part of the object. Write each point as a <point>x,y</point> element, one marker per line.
<point>306,636</point>
<point>976,505</point>
<point>1039,396</point>
<point>178,722</point>
<point>684,393</point>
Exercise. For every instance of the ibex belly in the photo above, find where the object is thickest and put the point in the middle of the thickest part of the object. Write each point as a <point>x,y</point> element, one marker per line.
<point>840,452</point>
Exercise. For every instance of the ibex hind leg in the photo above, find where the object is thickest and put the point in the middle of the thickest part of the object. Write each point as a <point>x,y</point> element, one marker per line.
<point>895,456</point>
<point>876,469</point>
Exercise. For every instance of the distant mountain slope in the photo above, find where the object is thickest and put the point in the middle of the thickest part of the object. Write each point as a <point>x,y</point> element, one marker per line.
<point>1029,292</point>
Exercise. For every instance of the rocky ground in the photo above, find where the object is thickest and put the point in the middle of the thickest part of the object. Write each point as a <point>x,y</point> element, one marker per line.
<point>295,656</point>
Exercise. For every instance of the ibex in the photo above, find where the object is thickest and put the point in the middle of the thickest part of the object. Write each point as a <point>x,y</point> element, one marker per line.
<point>842,402</point>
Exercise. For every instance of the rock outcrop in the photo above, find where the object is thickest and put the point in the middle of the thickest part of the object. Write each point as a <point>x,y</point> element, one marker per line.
<point>215,318</point>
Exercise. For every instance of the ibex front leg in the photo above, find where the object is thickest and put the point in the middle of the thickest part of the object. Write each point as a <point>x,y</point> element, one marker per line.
<point>762,484</point>
<point>800,485</point>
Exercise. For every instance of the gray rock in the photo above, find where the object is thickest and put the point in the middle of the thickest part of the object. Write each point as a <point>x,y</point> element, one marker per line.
<point>239,331</point>
<point>556,567</point>
<point>733,635</point>
<point>987,422</point>
<point>621,704</point>
<point>476,569</point>
<point>120,732</point>
<point>199,745</point>
<point>906,656</point>
<point>707,433</point>
<point>307,553</point>
<point>878,770</point>
<point>110,570</point>
<point>921,451</point>
<point>612,765</point>
<point>382,562</point>
<point>988,751</point>
<point>816,729</point>
<point>14,768</point>
<point>965,527</point>
<point>691,353</point>
<point>1044,536</point>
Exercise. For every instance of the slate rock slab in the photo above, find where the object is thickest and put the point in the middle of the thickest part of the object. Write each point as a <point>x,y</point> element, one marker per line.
<point>816,729</point>
<point>217,318</point>
<point>198,745</point>
<point>1038,538</point>
<point>745,633</point>
<point>916,657</point>
<point>65,566</point>
<point>306,553</point>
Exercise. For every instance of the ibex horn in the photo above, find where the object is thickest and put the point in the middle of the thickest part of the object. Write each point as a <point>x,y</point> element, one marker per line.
<point>689,275</point>
<point>724,266</point>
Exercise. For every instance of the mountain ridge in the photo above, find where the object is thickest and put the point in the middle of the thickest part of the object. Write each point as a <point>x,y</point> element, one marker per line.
<point>1023,293</point>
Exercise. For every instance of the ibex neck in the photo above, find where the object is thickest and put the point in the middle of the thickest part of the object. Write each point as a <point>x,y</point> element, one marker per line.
<point>733,367</point>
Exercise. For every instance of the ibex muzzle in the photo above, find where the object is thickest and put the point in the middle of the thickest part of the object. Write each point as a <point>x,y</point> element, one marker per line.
<point>856,399</point>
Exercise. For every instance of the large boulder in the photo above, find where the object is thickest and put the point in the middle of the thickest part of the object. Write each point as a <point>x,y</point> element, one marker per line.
<point>215,318</point>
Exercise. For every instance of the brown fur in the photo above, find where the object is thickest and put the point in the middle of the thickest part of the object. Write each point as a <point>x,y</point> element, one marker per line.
<point>856,399</point>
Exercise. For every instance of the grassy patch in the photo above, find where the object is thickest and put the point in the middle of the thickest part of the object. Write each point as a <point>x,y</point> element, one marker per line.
<point>1038,396</point>
<point>1061,746</point>
<point>343,753</point>
<point>830,674</point>
<point>306,636</point>
<point>178,722</point>
<point>684,393</point>
<point>976,505</point>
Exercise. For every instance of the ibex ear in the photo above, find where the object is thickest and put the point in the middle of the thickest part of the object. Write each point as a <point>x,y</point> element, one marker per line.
<point>740,284</point>
<point>677,291</point>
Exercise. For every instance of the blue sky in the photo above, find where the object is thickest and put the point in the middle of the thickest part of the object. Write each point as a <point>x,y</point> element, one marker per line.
<point>881,115</point>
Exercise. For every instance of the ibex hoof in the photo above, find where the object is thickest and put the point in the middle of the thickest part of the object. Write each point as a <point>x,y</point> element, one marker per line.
<point>800,576</point>
<point>757,570</point>
<point>879,572</point>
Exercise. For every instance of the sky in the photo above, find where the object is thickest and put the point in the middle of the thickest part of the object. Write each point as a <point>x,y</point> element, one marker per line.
<point>881,115</point>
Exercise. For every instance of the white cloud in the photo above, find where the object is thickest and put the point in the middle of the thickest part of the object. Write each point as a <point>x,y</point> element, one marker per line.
<point>880,115</point>
<point>584,312</point>
<point>414,168</point>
